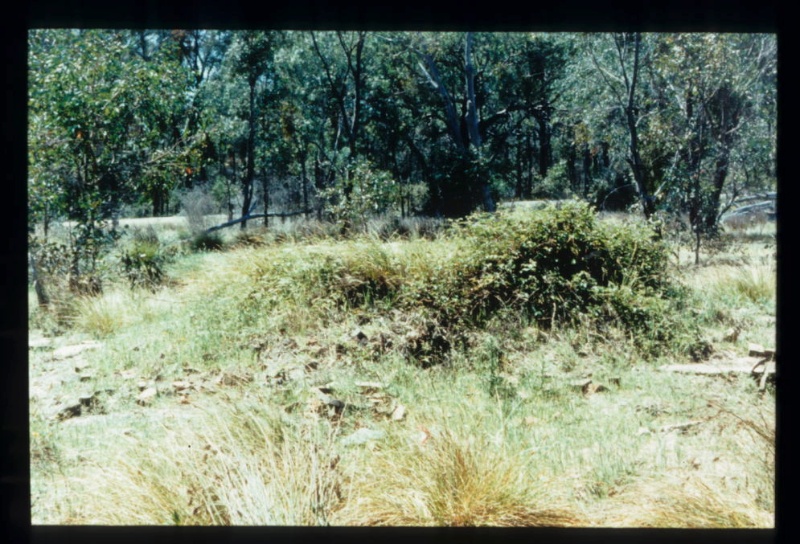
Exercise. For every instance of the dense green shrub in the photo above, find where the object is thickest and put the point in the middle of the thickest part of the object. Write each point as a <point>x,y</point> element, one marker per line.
<point>206,241</point>
<point>143,261</point>
<point>555,185</point>
<point>556,266</point>
<point>553,265</point>
<point>62,271</point>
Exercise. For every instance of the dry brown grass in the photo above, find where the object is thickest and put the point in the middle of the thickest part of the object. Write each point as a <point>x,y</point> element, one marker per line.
<point>231,466</point>
<point>450,481</point>
<point>516,444</point>
<point>686,502</point>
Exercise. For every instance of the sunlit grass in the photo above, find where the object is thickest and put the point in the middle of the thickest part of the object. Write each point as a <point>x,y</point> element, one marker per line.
<point>455,481</point>
<point>497,434</point>
<point>689,502</point>
<point>234,464</point>
<point>752,283</point>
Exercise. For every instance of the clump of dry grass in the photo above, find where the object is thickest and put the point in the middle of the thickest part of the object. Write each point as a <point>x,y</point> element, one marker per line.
<point>450,481</point>
<point>689,502</point>
<point>233,466</point>
<point>759,452</point>
<point>101,316</point>
<point>741,496</point>
<point>104,315</point>
<point>753,282</point>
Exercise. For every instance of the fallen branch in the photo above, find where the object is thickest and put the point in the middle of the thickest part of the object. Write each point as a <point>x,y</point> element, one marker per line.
<point>742,365</point>
<point>254,216</point>
<point>680,427</point>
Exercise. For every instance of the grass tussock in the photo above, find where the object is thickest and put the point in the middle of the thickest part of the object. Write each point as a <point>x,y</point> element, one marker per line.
<point>744,283</point>
<point>240,465</point>
<point>206,241</point>
<point>457,333</point>
<point>756,283</point>
<point>105,315</point>
<point>101,316</point>
<point>690,502</point>
<point>451,481</point>
<point>45,453</point>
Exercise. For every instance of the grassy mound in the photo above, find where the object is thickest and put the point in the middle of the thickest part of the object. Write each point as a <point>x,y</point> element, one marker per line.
<point>538,417</point>
<point>550,267</point>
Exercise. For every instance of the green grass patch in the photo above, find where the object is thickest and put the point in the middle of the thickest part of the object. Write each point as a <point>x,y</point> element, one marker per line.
<point>464,394</point>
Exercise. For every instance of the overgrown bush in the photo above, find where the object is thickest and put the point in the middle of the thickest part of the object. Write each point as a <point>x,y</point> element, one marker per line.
<point>553,265</point>
<point>556,185</point>
<point>369,191</point>
<point>557,266</point>
<point>62,271</point>
<point>206,241</point>
<point>143,261</point>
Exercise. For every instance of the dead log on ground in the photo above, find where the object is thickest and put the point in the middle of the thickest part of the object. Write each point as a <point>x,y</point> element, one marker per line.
<point>253,216</point>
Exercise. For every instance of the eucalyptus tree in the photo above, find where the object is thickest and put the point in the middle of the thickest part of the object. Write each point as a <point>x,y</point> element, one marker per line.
<point>530,83</point>
<point>202,53</point>
<point>247,73</point>
<point>496,94</point>
<point>719,99</point>
<point>101,132</point>
<point>388,114</point>
<point>619,60</point>
<point>455,192</point>
<point>343,62</point>
<point>108,114</point>
<point>298,146</point>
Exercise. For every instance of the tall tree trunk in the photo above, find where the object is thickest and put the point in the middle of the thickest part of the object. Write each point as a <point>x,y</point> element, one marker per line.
<point>304,180</point>
<point>637,168</point>
<point>718,182</point>
<point>157,205</point>
<point>519,186</point>
<point>631,116</point>
<point>472,106</point>
<point>587,170</point>
<point>230,184</point>
<point>529,166</point>
<point>451,117</point>
<point>545,147</point>
<point>472,125</point>
<point>730,113</point>
<point>572,173</point>
<point>38,282</point>
<point>247,182</point>
<point>265,190</point>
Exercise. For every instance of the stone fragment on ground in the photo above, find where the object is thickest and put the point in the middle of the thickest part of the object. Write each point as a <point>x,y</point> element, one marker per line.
<point>359,337</point>
<point>362,436</point>
<point>147,396</point>
<point>71,410</point>
<point>399,413</point>
<point>66,352</point>
<point>40,343</point>
<point>740,365</point>
<point>85,403</point>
